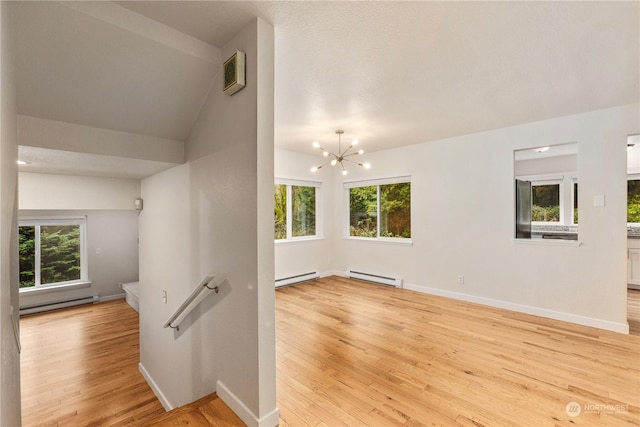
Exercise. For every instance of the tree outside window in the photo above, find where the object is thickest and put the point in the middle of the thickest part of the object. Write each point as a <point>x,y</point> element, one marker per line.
<point>303,211</point>
<point>49,254</point>
<point>295,209</point>
<point>545,203</point>
<point>633,200</point>
<point>280,213</point>
<point>380,211</point>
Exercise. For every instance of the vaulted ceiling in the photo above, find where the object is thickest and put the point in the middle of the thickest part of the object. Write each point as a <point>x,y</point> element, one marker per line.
<point>390,73</point>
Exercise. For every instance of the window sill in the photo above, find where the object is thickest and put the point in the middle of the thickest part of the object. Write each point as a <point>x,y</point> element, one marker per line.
<point>54,288</point>
<point>387,241</point>
<point>298,239</point>
<point>547,242</point>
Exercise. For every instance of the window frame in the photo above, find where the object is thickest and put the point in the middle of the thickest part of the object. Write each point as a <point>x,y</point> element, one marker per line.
<point>566,191</point>
<point>289,182</point>
<point>561,201</point>
<point>574,199</point>
<point>38,222</point>
<point>347,185</point>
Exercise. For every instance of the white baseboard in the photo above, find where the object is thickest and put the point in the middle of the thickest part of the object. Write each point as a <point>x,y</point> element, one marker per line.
<point>550,314</point>
<point>154,387</point>
<point>111,297</point>
<point>272,419</point>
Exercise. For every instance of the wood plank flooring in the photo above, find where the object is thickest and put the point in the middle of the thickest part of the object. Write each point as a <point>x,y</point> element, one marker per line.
<point>350,353</point>
<point>209,411</point>
<point>79,367</point>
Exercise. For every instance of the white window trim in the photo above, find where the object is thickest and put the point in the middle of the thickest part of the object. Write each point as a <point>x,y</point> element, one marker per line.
<point>84,269</point>
<point>347,185</point>
<point>288,182</point>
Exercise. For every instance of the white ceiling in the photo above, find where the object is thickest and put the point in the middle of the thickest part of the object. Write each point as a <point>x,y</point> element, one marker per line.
<point>390,73</point>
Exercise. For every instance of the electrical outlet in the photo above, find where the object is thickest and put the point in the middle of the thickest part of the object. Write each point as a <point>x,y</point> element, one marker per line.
<point>164,297</point>
<point>460,279</point>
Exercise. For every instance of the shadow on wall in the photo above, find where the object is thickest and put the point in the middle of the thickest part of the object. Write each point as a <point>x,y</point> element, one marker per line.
<point>224,289</point>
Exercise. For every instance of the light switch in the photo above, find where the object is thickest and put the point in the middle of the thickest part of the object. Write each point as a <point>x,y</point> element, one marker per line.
<point>598,201</point>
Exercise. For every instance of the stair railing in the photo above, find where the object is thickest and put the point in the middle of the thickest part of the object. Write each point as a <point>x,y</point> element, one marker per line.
<point>197,296</point>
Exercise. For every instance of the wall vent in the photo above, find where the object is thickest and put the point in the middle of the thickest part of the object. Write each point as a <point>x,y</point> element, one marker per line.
<point>60,304</point>
<point>292,280</point>
<point>375,278</point>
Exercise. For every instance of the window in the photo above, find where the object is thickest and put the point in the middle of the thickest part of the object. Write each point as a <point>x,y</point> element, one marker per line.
<point>380,208</point>
<point>575,202</point>
<point>51,252</point>
<point>545,202</point>
<point>295,209</point>
<point>633,199</point>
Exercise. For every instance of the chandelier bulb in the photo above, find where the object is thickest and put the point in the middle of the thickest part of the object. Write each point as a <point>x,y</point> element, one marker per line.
<point>344,171</point>
<point>333,162</point>
<point>354,142</point>
<point>366,165</point>
<point>316,144</point>
<point>314,169</point>
<point>325,153</point>
<point>360,151</point>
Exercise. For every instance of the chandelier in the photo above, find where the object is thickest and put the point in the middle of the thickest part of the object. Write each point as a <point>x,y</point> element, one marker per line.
<point>342,156</point>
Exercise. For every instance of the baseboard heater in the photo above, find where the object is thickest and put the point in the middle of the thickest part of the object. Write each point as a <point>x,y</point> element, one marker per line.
<point>375,278</point>
<point>292,280</point>
<point>60,304</point>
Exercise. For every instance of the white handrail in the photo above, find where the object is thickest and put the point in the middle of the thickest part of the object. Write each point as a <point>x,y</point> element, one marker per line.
<point>192,301</point>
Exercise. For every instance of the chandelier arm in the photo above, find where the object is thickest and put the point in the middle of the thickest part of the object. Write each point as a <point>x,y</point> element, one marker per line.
<point>350,161</point>
<point>348,148</point>
<point>352,154</point>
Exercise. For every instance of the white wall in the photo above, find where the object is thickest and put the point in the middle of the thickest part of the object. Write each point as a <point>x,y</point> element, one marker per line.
<point>49,191</point>
<point>463,221</point>
<point>10,372</point>
<point>112,254</point>
<point>293,258</point>
<point>215,214</point>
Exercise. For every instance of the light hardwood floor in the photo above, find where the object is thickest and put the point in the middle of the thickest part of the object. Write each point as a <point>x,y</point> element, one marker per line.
<point>79,367</point>
<point>351,353</point>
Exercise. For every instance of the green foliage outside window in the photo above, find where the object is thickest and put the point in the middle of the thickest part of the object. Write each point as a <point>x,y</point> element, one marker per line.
<point>280,212</point>
<point>394,208</point>
<point>545,203</point>
<point>363,211</point>
<point>633,201</point>
<point>575,202</point>
<point>27,255</point>
<point>303,211</point>
<point>59,254</point>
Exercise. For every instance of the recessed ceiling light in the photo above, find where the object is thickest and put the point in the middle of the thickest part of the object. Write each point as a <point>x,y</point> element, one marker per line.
<point>540,149</point>
<point>22,162</point>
